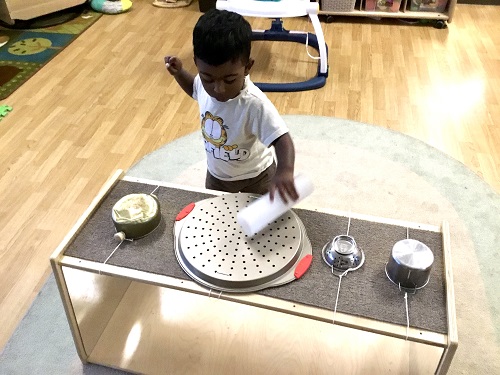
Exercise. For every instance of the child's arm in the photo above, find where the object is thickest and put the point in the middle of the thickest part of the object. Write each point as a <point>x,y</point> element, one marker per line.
<point>283,179</point>
<point>182,76</point>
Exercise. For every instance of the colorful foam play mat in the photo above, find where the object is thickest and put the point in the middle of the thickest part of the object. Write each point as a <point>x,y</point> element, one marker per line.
<point>24,52</point>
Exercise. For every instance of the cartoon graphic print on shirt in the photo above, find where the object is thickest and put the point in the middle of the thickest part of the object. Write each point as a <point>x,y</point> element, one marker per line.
<point>215,135</point>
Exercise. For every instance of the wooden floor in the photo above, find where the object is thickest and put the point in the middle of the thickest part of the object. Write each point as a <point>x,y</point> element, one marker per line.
<point>106,101</point>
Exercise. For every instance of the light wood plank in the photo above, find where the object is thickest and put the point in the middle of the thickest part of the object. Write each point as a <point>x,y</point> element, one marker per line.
<point>163,331</point>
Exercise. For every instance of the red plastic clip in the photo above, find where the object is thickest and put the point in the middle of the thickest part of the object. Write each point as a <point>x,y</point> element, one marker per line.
<point>303,266</point>
<point>184,212</point>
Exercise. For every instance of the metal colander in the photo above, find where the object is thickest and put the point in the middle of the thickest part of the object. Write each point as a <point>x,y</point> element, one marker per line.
<point>343,254</point>
<point>213,250</point>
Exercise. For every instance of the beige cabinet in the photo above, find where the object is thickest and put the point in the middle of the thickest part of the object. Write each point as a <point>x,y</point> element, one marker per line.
<point>11,10</point>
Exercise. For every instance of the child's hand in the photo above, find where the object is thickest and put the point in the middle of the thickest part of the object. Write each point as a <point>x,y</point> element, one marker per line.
<point>173,64</point>
<point>283,182</point>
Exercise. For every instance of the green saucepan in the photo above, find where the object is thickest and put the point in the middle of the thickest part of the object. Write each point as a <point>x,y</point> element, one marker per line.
<point>136,215</point>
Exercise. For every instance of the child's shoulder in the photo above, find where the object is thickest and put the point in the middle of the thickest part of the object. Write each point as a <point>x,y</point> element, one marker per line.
<point>254,94</point>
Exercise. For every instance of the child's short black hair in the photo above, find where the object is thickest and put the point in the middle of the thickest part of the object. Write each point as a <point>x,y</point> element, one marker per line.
<point>221,36</point>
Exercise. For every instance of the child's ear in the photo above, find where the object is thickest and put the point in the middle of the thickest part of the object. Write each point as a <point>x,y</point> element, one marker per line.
<point>249,65</point>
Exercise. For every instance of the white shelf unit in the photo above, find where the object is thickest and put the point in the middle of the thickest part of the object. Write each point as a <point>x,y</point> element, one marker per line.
<point>144,322</point>
<point>404,12</point>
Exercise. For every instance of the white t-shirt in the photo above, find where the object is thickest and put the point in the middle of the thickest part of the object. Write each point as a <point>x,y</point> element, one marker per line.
<point>237,133</point>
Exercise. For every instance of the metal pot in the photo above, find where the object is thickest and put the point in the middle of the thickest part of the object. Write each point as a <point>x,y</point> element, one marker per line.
<point>410,264</point>
<point>136,215</point>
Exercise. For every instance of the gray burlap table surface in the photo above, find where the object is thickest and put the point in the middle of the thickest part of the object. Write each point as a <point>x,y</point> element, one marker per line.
<point>366,292</point>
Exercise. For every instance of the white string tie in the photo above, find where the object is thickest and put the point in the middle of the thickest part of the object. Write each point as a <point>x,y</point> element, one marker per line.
<point>116,248</point>
<point>156,188</point>
<point>338,292</point>
<point>407,316</point>
<point>307,49</point>
<point>210,294</point>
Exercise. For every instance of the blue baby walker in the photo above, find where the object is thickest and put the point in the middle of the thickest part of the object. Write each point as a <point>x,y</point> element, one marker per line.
<point>278,9</point>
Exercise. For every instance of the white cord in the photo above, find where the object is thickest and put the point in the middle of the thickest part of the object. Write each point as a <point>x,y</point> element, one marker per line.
<point>338,291</point>
<point>110,255</point>
<point>156,188</point>
<point>307,49</point>
<point>116,248</point>
<point>407,316</point>
<point>406,295</point>
<point>343,274</point>
<point>210,294</point>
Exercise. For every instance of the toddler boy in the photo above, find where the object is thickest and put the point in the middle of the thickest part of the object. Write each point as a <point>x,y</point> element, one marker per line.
<point>239,123</point>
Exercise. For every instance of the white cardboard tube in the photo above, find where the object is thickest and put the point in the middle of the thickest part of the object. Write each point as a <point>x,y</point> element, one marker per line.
<point>262,211</point>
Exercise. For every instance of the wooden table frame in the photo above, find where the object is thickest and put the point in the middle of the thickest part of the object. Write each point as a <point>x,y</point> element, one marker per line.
<point>122,277</point>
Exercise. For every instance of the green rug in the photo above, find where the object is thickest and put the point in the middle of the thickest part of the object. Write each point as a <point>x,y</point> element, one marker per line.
<point>24,52</point>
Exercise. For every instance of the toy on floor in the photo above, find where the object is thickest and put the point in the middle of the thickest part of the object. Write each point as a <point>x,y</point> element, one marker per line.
<point>4,110</point>
<point>172,3</point>
<point>111,6</point>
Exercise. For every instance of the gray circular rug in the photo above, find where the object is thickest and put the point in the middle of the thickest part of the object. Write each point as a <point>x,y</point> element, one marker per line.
<point>374,171</point>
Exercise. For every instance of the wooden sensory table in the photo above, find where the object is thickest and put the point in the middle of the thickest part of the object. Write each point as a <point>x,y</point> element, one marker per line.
<point>144,320</point>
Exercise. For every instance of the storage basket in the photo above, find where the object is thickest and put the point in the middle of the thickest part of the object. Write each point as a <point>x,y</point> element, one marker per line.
<point>387,5</point>
<point>338,5</point>
<point>383,5</point>
<point>428,5</point>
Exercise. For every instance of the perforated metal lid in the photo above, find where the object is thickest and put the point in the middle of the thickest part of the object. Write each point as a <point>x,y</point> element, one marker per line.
<point>212,248</point>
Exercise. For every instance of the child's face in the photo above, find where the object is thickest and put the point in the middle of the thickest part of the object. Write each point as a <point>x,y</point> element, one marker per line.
<point>225,81</point>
